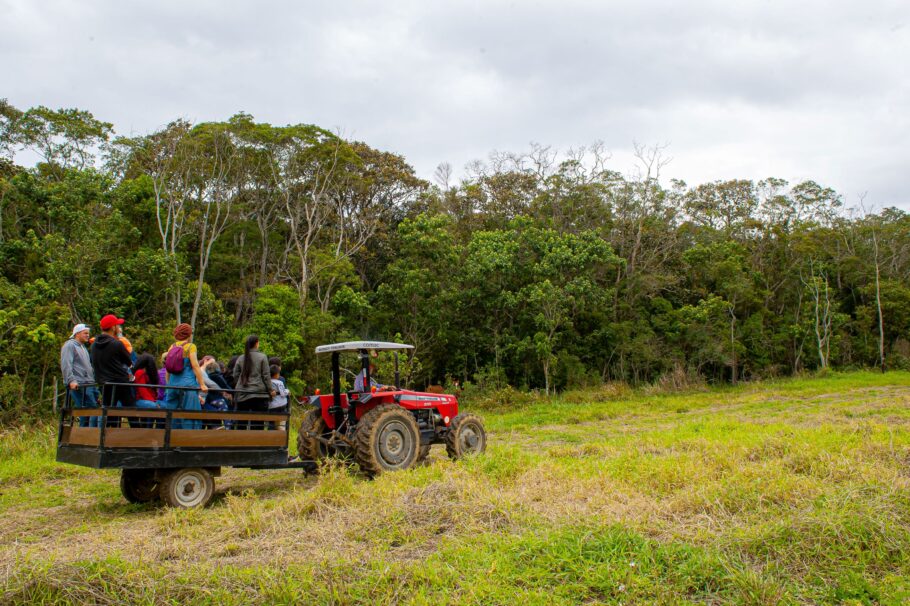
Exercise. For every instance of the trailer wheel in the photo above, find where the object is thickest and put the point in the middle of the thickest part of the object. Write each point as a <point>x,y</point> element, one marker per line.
<point>386,439</point>
<point>138,485</point>
<point>308,447</point>
<point>188,487</point>
<point>466,436</point>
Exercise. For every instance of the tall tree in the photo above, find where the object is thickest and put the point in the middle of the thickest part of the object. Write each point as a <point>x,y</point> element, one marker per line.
<point>63,138</point>
<point>216,182</point>
<point>166,158</point>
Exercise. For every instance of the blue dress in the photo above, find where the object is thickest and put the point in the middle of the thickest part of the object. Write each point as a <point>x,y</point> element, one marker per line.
<point>183,399</point>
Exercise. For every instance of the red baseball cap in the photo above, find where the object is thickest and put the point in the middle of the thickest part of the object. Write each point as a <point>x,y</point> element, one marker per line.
<point>109,321</point>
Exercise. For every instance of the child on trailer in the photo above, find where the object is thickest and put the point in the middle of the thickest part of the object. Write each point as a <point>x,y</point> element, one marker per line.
<point>216,400</point>
<point>279,402</point>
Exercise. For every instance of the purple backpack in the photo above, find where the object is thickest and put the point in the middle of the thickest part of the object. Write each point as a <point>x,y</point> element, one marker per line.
<point>173,361</point>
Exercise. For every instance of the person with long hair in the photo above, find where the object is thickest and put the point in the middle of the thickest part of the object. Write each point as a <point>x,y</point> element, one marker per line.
<point>184,372</point>
<point>253,381</point>
<point>145,375</point>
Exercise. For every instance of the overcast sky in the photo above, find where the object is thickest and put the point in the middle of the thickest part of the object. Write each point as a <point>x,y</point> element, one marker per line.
<point>796,90</point>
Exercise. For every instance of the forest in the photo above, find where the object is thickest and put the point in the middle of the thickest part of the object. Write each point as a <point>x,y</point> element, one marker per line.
<point>540,270</point>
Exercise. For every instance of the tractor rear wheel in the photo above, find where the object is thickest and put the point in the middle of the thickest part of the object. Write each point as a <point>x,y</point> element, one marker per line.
<point>188,487</point>
<point>313,425</point>
<point>386,439</point>
<point>466,436</point>
<point>138,485</point>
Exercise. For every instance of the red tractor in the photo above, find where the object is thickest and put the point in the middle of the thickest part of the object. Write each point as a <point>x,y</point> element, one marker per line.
<point>387,428</point>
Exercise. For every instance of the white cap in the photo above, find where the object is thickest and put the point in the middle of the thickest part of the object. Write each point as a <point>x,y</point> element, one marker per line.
<point>78,328</point>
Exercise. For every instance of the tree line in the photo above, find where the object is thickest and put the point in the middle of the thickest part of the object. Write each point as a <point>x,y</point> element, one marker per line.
<point>540,270</point>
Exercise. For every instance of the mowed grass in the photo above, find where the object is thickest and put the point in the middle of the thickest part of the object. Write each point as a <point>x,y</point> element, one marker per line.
<point>791,492</point>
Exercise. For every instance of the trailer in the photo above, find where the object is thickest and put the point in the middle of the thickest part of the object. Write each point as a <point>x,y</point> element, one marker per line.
<point>170,454</point>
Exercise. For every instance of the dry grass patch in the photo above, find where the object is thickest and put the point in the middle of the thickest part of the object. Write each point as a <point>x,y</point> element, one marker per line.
<point>793,492</point>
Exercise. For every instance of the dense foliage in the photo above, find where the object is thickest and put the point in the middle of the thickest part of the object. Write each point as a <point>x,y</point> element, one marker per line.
<point>536,270</point>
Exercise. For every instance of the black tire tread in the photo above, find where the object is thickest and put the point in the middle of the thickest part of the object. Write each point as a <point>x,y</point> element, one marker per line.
<point>131,485</point>
<point>452,445</point>
<point>312,423</point>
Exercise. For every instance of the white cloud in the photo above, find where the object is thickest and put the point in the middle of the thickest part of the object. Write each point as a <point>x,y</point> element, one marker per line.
<point>747,89</point>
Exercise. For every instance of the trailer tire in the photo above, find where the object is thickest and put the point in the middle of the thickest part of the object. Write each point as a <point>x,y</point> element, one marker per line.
<point>188,487</point>
<point>139,485</point>
<point>309,447</point>
<point>466,436</point>
<point>386,439</point>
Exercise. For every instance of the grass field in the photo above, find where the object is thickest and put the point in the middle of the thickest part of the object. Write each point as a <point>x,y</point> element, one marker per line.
<point>776,493</point>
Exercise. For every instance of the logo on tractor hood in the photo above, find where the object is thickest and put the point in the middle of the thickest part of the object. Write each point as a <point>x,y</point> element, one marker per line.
<point>423,399</point>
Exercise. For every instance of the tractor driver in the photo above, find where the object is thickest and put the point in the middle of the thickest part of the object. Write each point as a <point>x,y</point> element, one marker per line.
<point>359,381</point>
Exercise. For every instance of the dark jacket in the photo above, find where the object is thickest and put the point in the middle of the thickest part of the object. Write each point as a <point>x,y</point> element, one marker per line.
<point>214,394</point>
<point>110,360</point>
<point>259,383</point>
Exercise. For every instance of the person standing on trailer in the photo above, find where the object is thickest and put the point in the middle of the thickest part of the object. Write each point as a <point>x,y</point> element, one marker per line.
<point>78,375</point>
<point>145,376</point>
<point>229,374</point>
<point>279,401</point>
<point>126,343</point>
<point>162,381</point>
<point>112,365</point>
<point>276,361</point>
<point>182,366</point>
<point>253,382</point>
<point>216,400</point>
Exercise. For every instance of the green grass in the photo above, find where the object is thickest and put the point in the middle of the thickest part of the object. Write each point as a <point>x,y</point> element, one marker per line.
<point>785,492</point>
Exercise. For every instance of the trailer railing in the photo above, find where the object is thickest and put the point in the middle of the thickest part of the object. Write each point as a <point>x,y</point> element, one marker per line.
<point>102,427</point>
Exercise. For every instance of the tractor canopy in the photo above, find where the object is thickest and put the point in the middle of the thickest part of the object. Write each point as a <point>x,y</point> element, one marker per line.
<point>361,345</point>
<point>362,348</point>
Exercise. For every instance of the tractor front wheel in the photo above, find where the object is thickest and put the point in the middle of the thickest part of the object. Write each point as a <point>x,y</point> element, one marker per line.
<point>386,439</point>
<point>466,436</point>
<point>138,485</point>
